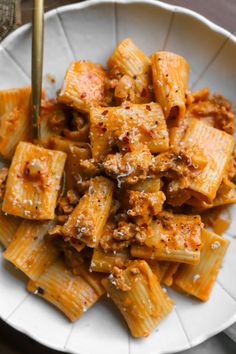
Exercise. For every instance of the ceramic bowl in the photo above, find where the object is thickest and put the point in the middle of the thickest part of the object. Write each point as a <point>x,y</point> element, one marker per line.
<point>91,30</point>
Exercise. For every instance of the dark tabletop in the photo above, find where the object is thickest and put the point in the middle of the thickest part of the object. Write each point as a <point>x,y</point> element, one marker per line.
<point>222,12</point>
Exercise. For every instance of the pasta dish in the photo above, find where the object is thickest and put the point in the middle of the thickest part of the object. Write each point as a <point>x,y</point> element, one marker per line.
<point>125,191</point>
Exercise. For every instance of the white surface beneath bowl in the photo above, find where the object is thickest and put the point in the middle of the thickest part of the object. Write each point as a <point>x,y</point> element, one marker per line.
<point>91,30</point>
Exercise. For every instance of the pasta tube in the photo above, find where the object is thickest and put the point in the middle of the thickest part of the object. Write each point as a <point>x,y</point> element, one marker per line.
<point>175,238</point>
<point>8,227</point>
<point>30,251</point>
<point>129,64</point>
<point>84,86</point>
<point>170,80</point>
<point>104,262</point>
<point>33,182</point>
<point>15,119</point>
<point>127,126</point>
<point>88,219</point>
<point>139,297</point>
<point>70,293</point>
<point>217,146</point>
<point>199,279</point>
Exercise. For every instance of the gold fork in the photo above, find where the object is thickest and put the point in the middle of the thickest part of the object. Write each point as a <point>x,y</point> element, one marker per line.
<point>37,64</point>
<point>36,73</point>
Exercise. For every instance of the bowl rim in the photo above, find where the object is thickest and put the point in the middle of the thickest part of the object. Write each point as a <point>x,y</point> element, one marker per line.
<point>158,3</point>
<point>230,36</point>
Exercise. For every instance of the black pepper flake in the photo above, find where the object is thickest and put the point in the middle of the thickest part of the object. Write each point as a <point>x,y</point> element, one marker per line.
<point>40,290</point>
<point>104,112</point>
<point>135,77</point>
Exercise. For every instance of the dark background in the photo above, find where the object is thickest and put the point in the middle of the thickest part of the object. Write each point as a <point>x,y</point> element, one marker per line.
<point>222,12</point>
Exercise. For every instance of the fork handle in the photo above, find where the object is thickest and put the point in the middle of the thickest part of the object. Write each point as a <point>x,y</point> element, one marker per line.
<point>37,64</point>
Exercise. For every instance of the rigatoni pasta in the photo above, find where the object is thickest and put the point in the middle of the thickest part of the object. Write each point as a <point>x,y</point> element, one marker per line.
<point>170,80</point>
<point>128,126</point>
<point>8,227</point>
<point>174,238</point>
<point>132,68</point>
<point>168,275</point>
<point>72,294</point>
<point>148,169</point>
<point>104,262</point>
<point>217,146</point>
<point>30,250</point>
<point>139,297</point>
<point>33,182</point>
<point>88,219</point>
<point>198,280</point>
<point>15,120</point>
<point>84,86</point>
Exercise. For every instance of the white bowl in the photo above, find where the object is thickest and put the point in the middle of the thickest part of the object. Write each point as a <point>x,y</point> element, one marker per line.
<point>90,30</point>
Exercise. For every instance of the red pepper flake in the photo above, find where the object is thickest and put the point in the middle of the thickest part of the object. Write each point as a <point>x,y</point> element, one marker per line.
<point>100,124</point>
<point>127,107</point>
<point>83,95</point>
<point>125,139</point>
<point>135,77</point>
<point>105,112</point>
<point>151,133</point>
<point>156,122</point>
<point>148,108</point>
<point>144,92</point>
<point>104,129</point>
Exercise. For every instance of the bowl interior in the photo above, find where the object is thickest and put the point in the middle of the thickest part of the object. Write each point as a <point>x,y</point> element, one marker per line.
<point>91,31</point>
